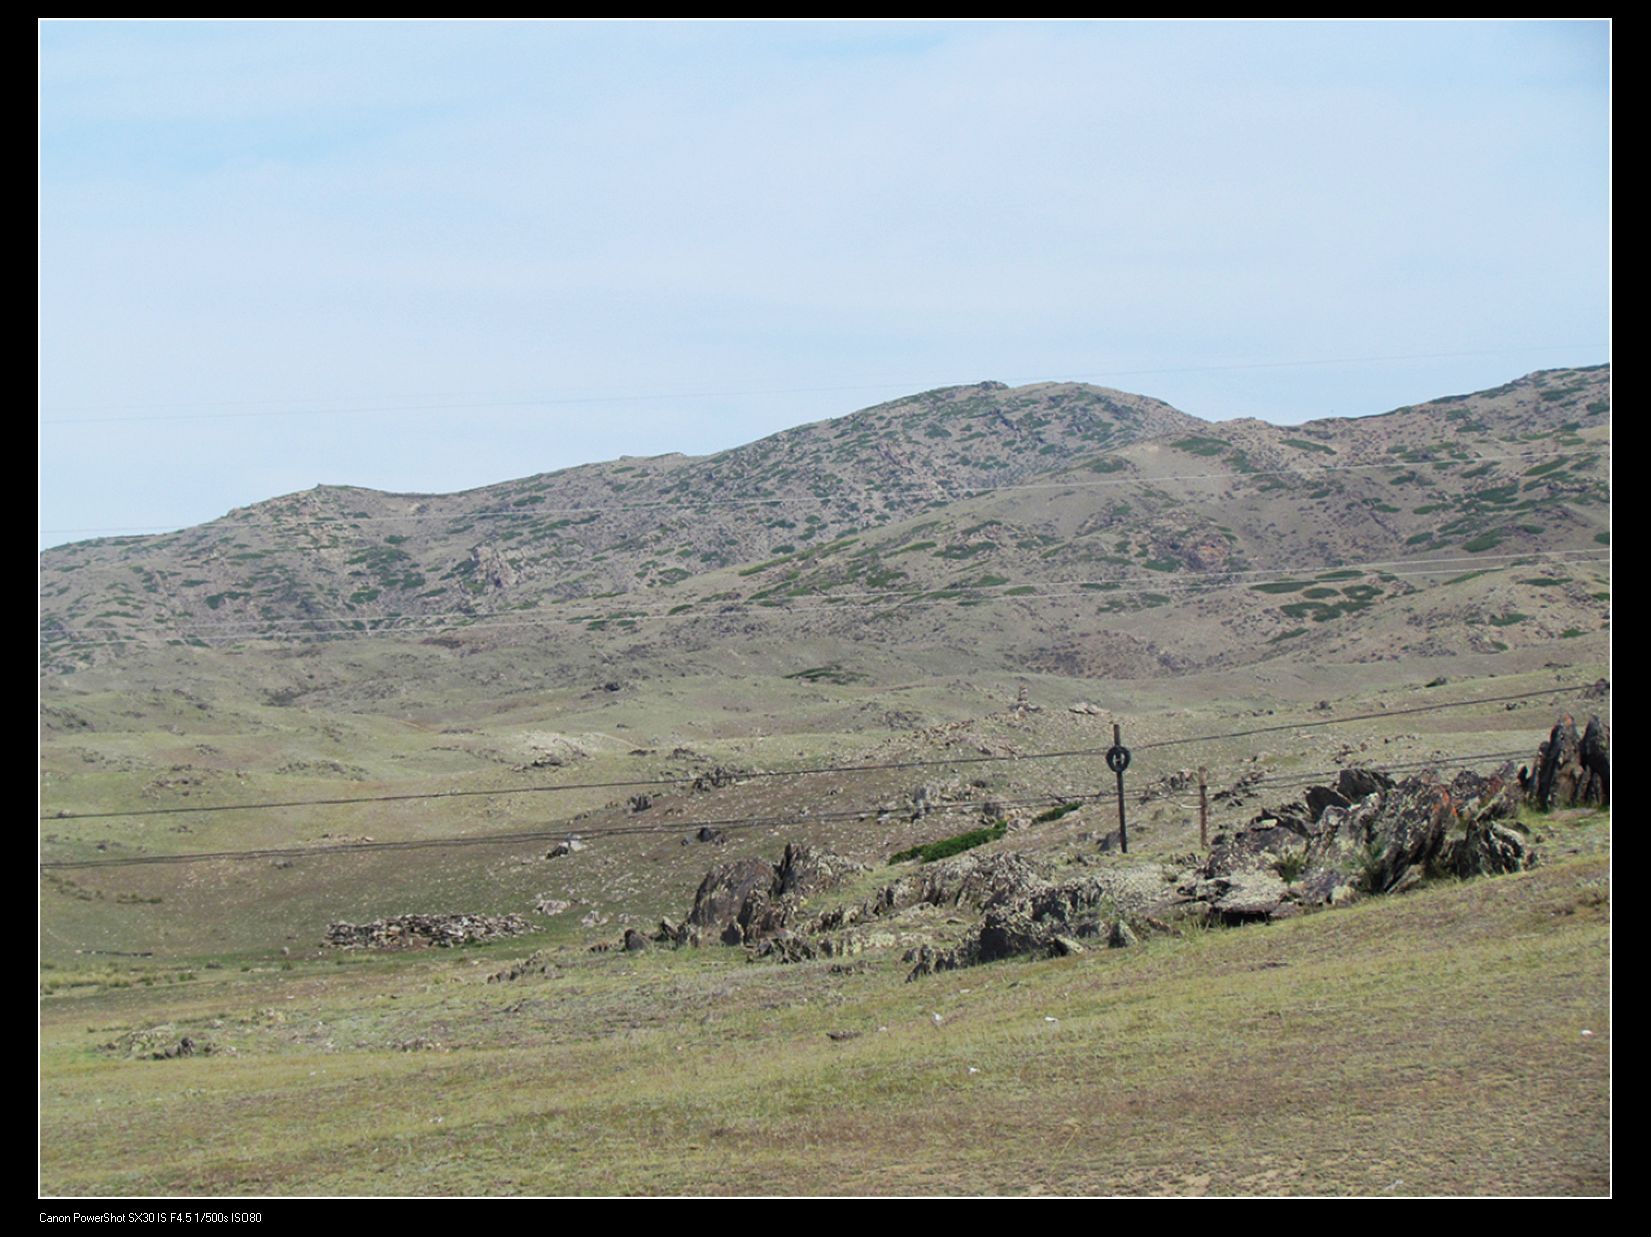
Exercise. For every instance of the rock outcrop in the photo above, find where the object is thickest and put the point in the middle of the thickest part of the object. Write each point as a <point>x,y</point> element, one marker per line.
<point>1363,836</point>
<point>1366,835</point>
<point>750,900</point>
<point>1571,770</point>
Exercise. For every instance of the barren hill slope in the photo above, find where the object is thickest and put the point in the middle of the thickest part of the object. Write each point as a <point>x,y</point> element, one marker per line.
<point>1057,528</point>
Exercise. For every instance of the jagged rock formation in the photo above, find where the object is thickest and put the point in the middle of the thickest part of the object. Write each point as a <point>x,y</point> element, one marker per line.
<point>749,900</point>
<point>1571,771</point>
<point>422,931</point>
<point>1021,908</point>
<point>1365,835</point>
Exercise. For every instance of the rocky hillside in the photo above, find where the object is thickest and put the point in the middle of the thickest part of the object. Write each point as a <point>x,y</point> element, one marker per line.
<point>597,530</point>
<point>1057,527</point>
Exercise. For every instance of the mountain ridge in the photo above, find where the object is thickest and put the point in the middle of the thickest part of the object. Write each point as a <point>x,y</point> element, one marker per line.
<point>955,495</point>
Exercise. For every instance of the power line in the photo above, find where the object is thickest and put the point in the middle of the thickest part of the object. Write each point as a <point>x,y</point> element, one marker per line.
<point>545,835</point>
<point>678,827</point>
<point>267,805</point>
<point>1289,779</point>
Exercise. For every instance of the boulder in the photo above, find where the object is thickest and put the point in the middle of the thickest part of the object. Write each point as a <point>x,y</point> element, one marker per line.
<point>1245,897</point>
<point>1121,936</point>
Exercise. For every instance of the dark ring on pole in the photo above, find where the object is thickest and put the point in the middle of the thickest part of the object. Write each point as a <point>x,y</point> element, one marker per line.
<point>1117,758</point>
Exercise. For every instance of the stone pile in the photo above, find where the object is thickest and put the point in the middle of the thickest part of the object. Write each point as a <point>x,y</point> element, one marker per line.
<point>423,931</point>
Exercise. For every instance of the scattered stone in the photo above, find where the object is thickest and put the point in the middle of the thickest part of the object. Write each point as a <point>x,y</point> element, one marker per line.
<point>672,933</point>
<point>785,947</point>
<point>418,1044</point>
<point>715,779</point>
<point>840,1036</point>
<point>536,963</point>
<point>544,760</point>
<point>634,941</point>
<point>161,1043</point>
<point>185,1047</point>
<point>641,803</point>
<point>548,906</point>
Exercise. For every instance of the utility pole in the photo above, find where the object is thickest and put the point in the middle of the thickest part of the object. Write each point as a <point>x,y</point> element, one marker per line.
<point>1203,809</point>
<point>1117,759</point>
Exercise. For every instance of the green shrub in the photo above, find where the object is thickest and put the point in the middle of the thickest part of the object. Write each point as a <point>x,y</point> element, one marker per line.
<point>945,848</point>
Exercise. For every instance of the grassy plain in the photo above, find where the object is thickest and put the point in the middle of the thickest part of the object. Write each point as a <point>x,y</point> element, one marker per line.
<point>1432,1043</point>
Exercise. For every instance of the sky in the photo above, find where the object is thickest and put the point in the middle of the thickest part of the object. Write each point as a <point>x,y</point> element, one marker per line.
<point>431,256</point>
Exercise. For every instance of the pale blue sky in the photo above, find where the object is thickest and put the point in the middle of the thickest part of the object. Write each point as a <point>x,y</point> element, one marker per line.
<point>263,245</point>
